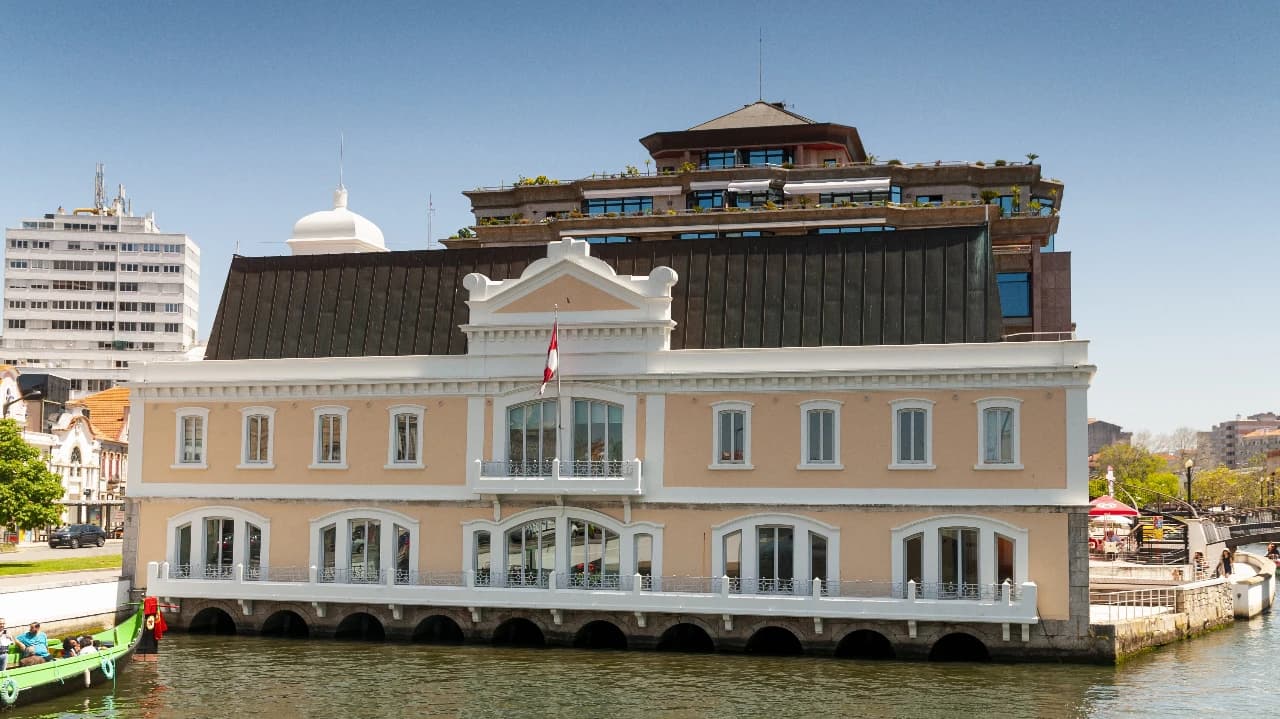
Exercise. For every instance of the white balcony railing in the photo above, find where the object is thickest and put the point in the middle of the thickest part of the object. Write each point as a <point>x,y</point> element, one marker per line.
<point>548,590</point>
<point>605,477</point>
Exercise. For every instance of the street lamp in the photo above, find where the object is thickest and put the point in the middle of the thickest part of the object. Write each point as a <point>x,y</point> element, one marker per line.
<point>88,492</point>
<point>33,394</point>
<point>1190,463</point>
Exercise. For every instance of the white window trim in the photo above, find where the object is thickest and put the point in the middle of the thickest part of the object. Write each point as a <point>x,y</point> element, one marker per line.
<point>317,413</point>
<point>342,545</point>
<point>1014,404</point>
<point>241,517</point>
<point>421,413</point>
<point>832,406</point>
<point>802,525</point>
<point>912,403</point>
<point>731,406</point>
<point>564,445</point>
<point>182,413</point>
<point>245,414</point>
<point>931,548</point>
<point>626,532</point>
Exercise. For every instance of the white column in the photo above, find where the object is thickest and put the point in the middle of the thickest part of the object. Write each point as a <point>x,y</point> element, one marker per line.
<point>342,548</point>
<point>986,556</point>
<point>801,562</point>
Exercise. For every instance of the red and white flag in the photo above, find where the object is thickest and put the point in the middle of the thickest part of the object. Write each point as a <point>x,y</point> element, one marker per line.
<point>553,358</point>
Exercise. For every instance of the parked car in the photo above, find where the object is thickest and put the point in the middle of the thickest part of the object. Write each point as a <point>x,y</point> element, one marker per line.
<point>77,535</point>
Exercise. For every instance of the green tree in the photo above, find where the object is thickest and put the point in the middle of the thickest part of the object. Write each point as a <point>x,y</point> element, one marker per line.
<point>1140,475</point>
<point>28,490</point>
<point>1223,486</point>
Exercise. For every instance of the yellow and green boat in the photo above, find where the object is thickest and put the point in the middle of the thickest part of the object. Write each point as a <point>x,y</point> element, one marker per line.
<point>27,685</point>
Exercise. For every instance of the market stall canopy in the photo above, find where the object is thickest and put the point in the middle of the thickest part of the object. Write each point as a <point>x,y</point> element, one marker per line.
<point>1108,505</point>
<point>1111,519</point>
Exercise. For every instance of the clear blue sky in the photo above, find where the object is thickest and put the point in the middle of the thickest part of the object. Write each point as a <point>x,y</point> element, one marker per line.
<point>1163,120</point>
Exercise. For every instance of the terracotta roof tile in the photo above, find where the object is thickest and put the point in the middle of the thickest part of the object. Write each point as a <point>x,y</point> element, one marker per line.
<point>106,411</point>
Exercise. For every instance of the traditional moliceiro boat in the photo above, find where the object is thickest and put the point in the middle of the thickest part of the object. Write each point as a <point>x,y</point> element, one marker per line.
<point>27,685</point>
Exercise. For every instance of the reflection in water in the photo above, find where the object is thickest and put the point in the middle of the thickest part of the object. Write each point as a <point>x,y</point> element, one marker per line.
<point>206,676</point>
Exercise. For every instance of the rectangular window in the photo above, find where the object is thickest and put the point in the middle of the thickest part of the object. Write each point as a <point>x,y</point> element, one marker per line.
<point>732,428</point>
<point>706,199</point>
<point>597,435</point>
<point>911,436</point>
<point>767,156</point>
<point>128,286</point>
<point>821,449</point>
<point>17,324</point>
<point>172,327</point>
<point>611,239</point>
<point>617,205</point>
<point>756,199</point>
<point>18,264</point>
<point>172,308</point>
<point>696,236</point>
<point>257,441</point>
<point>407,438</point>
<point>932,200</point>
<point>192,439</point>
<point>720,158</point>
<point>330,449</point>
<point>1015,293</point>
<point>997,434</point>
<point>129,267</point>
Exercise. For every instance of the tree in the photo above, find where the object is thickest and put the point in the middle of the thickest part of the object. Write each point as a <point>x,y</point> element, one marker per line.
<point>1222,486</point>
<point>1141,475</point>
<point>28,490</point>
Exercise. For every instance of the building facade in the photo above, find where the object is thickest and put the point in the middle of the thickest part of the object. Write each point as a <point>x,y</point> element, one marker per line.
<point>1223,442</point>
<point>87,292</point>
<point>764,171</point>
<point>725,459</point>
<point>1102,434</point>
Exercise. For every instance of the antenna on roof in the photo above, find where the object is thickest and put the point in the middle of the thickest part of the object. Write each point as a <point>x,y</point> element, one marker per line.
<point>341,147</point>
<point>431,213</point>
<point>99,193</point>
<point>760,69</point>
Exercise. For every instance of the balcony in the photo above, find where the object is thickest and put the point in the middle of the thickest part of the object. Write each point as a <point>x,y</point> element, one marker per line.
<point>554,477</point>
<point>724,597</point>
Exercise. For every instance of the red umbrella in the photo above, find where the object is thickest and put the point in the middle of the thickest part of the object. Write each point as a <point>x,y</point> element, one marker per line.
<point>1107,505</point>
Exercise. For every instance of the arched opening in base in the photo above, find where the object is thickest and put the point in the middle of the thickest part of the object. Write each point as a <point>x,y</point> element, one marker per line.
<point>518,632</point>
<point>286,624</point>
<point>600,635</point>
<point>864,644</point>
<point>360,627</point>
<point>438,629</point>
<point>774,642</point>
<point>959,647</point>
<point>687,638</point>
<point>212,621</point>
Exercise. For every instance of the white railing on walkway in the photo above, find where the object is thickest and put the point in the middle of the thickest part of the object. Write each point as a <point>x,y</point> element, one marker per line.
<point>998,603</point>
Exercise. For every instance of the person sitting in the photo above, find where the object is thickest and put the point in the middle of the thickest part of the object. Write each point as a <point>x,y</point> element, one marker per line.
<point>87,645</point>
<point>33,645</point>
<point>1272,553</point>
<point>70,648</point>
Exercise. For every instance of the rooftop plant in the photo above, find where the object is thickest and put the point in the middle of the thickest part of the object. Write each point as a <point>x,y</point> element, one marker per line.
<point>1001,163</point>
<point>539,180</point>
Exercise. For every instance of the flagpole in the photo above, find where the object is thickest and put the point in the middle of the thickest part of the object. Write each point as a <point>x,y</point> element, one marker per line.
<point>556,324</point>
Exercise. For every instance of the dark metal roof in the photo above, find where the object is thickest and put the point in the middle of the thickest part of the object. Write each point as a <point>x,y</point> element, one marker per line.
<point>907,287</point>
<point>819,132</point>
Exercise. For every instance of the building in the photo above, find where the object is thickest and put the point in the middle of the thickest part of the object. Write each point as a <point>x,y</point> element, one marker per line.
<point>764,171</point>
<point>87,292</point>
<point>84,442</point>
<point>747,445</point>
<point>1102,434</point>
<point>1259,442</point>
<point>1223,441</point>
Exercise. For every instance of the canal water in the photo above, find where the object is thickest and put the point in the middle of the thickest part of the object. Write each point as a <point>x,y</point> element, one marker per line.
<point>1233,670</point>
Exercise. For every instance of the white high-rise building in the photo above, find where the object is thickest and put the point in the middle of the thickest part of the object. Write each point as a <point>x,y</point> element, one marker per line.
<point>89,291</point>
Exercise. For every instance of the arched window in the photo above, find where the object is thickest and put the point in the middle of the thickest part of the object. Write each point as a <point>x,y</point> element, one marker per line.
<point>208,543</point>
<point>75,455</point>
<point>586,550</point>
<point>365,546</point>
<point>959,556</point>
<point>592,433</point>
<point>531,438</point>
<point>775,553</point>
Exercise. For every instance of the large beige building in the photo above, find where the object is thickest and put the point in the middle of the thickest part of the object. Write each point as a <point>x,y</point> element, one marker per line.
<point>799,447</point>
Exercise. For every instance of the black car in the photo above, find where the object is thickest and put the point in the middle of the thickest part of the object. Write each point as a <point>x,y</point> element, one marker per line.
<point>77,535</point>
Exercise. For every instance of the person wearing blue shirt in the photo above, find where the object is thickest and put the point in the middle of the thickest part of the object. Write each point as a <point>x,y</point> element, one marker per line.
<point>33,643</point>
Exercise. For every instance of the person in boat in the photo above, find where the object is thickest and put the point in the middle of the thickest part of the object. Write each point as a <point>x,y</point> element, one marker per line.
<point>70,648</point>
<point>33,645</point>
<point>1272,553</point>
<point>88,645</point>
<point>6,641</point>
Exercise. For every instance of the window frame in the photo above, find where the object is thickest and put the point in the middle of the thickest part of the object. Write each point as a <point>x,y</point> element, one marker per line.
<point>718,408</point>
<point>245,414</point>
<point>911,403</point>
<point>181,414</point>
<point>820,405</point>
<point>387,540</point>
<point>988,529</point>
<point>802,526</point>
<point>1015,405</point>
<point>197,520</point>
<point>392,413</point>
<point>317,414</point>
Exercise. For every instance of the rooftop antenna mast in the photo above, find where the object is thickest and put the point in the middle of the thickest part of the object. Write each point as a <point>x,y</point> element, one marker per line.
<point>431,213</point>
<point>760,69</point>
<point>99,193</point>
<point>341,151</point>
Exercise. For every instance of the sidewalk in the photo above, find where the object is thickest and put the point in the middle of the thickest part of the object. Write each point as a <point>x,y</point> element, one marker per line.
<point>50,580</point>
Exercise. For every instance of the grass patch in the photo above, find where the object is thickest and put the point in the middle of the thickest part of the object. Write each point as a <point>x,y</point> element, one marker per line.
<point>70,564</point>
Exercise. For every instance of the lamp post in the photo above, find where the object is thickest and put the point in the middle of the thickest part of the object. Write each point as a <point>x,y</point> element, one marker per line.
<point>1189,464</point>
<point>33,394</point>
<point>88,492</point>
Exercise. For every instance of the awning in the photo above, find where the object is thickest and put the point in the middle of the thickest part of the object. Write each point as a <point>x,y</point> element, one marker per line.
<point>874,184</point>
<point>1108,505</point>
<point>709,185</point>
<point>632,192</point>
<point>749,186</point>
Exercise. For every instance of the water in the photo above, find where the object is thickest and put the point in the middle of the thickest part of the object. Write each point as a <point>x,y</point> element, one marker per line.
<point>243,677</point>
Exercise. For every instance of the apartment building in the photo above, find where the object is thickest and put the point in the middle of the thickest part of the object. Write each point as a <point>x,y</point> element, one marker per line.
<point>1102,434</point>
<point>88,292</point>
<point>764,171</point>
<point>1223,442</point>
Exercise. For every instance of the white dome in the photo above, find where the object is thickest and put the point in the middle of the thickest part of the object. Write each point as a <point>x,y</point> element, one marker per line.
<point>336,230</point>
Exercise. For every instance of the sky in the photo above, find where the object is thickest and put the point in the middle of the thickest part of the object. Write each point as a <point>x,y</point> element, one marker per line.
<point>1163,120</point>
